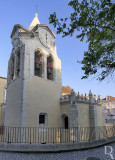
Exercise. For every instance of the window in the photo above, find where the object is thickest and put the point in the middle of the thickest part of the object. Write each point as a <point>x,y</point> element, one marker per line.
<point>41,119</point>
<point>50,68</point>
<point>107,106</point>
<point>12,68</point>
<point>66,122</point>
<point>18,64</point>
<point>38,64</point>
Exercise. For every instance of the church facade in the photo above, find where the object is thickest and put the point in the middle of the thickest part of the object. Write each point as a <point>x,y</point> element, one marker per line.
<point>34,85</point>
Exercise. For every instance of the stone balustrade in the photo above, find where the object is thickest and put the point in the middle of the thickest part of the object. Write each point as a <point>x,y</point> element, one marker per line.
<point>81,98</point>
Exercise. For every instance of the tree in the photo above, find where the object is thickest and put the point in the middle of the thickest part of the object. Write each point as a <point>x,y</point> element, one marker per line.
<point>94,19</point>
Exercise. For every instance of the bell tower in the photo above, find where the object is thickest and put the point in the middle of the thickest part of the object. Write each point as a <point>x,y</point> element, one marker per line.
<point>34,78</point>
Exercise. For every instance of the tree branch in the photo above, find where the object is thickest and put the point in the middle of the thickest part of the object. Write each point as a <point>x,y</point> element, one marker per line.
<point>99,26</point>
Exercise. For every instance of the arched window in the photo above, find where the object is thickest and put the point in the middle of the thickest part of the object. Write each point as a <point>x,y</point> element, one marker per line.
<point>38,64</point>
<point>65,123</point>
<point>50,68</point>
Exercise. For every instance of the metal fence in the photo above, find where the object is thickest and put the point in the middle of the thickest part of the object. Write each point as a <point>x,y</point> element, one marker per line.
<point>54,135</point>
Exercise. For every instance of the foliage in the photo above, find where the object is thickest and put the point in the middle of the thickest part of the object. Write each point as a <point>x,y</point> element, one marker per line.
<point>95,20</point>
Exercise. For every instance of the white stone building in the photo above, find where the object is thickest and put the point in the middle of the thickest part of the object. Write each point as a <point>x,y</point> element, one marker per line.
<point>34,86</point>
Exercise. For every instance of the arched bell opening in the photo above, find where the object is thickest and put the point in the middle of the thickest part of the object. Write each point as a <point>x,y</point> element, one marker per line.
<point>50,68</point>
<point>18,64</point>
<point>38,64</point>
<point>12,68</point>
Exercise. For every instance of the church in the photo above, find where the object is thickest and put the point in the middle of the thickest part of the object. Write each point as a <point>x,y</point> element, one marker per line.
<point>34,85</point>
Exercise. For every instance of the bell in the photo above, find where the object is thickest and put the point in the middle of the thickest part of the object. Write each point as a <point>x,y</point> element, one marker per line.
<point>49,70</point>
<point>37,65</point>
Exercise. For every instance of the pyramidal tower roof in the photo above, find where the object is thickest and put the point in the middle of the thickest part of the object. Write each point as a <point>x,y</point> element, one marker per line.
<point>34,22</point>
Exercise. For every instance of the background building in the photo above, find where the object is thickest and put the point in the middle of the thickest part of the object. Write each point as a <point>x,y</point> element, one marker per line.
<point>108,104</point>
<point>3,82</point>
<point>66,90</point>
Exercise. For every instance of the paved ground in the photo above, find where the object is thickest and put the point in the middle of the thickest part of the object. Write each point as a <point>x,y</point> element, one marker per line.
<point>76,155</point>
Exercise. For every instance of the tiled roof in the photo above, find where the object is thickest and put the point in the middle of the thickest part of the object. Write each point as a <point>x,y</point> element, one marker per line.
<point>66,90</point>
<point>3,77</point>
<point>110,98</point>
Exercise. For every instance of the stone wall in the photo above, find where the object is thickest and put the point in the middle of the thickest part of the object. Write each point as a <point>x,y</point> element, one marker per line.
<point>41,96</point>
<point>13,104</point>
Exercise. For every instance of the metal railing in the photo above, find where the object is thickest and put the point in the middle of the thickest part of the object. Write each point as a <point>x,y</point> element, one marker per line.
<point>54,135</point>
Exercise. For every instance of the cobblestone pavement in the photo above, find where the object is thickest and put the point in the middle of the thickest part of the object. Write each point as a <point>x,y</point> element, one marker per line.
<point>75,155</point>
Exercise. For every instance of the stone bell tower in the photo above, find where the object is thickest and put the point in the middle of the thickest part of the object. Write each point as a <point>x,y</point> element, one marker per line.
<point>34,78</point>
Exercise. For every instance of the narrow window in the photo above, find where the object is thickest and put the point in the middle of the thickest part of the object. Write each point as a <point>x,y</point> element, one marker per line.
<point>66,122</point>
<point>18,64</point>
<point>41,119</point>
<point>38,64</point>
<point>12,68</point>
<point>50,68</point>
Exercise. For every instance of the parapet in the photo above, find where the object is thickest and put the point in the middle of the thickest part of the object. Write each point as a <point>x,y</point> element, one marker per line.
<point>80,98</point>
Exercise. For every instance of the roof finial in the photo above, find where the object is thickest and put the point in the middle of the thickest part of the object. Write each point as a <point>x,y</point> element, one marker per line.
<point>36,15</point>
<point>34,22</point>
<point>36,10</point>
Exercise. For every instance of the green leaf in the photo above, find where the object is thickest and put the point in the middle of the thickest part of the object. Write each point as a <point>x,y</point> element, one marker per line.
<point>93,20</point>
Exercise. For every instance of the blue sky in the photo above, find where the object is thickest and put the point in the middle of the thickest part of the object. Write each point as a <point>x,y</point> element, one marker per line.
<point>69,49</point>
